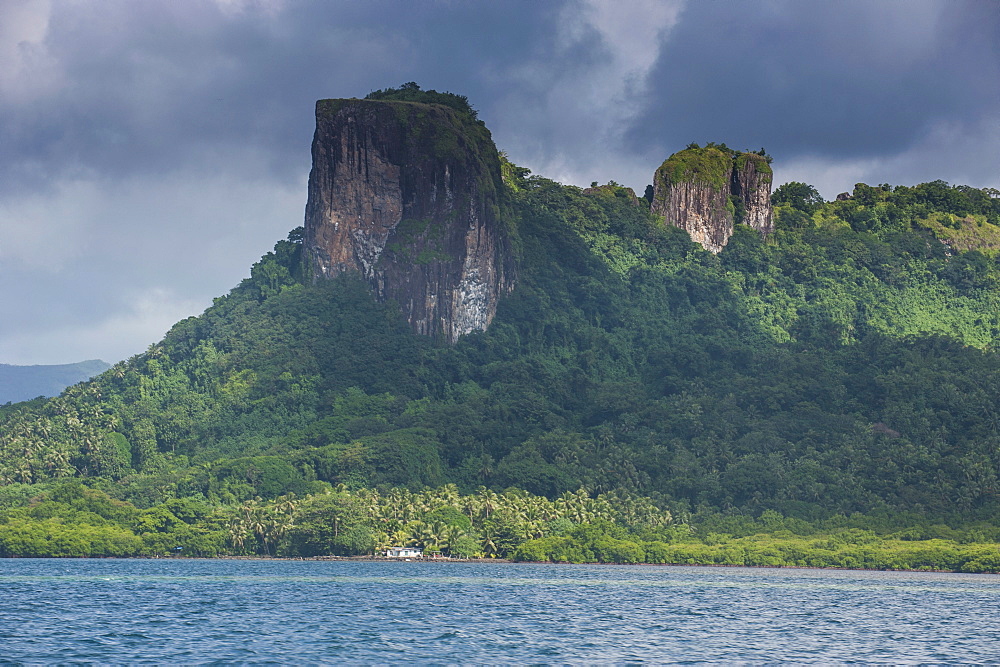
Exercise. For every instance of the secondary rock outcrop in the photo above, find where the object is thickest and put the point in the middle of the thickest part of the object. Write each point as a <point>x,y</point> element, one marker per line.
<point>705,191</point>
<point>410,196</point>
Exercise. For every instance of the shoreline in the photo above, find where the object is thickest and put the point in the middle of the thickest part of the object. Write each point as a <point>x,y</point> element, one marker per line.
<point>446,560</point>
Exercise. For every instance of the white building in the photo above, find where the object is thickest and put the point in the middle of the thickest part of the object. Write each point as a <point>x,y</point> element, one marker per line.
<point>404,552</point>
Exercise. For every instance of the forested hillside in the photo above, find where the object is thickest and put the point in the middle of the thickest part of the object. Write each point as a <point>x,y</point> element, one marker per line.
<point>846,364</point>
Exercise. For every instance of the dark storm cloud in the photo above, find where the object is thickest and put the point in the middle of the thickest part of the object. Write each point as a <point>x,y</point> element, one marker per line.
<point>145,87</point>
<point>840,79</point>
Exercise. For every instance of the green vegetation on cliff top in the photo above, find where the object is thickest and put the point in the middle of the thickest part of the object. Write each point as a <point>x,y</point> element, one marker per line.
<point>709,165</point>
<point>434,129</point>
<point>408,92</point>
<point>760,162</point>
<point>411,92</point>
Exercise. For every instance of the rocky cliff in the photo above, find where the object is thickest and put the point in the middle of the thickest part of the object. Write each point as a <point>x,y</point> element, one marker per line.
<point>410,196</point>
<point>705,191</point>
<point>751,185</point>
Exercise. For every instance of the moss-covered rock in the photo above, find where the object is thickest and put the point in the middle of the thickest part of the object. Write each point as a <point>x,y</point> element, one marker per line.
<point>705,191</point>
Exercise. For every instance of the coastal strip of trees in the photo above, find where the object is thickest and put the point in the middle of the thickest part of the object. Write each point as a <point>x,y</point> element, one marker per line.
<point>73,520</point>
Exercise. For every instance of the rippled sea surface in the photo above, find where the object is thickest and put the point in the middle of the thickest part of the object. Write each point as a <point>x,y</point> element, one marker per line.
<point>191,611</point>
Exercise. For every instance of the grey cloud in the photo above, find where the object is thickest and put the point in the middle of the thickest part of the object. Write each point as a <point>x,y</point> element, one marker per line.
<point>172,242</point>
<point>565,108</point>
<point>156,86</point>
<point>153,150</point>
<point>842,80</point>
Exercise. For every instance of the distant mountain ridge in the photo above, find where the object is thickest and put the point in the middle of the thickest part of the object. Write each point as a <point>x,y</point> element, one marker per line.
<point>22,383</point>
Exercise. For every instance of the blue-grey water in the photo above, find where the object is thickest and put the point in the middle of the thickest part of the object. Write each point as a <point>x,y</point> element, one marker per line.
<point>196,611</point>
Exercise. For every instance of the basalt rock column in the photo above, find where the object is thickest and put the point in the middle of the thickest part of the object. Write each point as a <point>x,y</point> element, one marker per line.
<point>705,190</point>
<point>752,178</point>
<point>410,196</point>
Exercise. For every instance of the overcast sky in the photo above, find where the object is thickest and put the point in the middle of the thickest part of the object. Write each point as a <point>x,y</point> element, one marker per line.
<point>151,150</point>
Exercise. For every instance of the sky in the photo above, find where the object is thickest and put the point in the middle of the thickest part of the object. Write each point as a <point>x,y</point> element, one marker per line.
<point>151,151</point>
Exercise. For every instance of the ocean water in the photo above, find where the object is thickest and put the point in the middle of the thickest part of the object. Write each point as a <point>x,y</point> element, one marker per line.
<point>249,611</point>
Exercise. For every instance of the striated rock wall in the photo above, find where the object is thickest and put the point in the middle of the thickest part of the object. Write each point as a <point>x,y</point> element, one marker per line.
<point>706,190</point>
<point>409,195</point>
<point>752,178</point>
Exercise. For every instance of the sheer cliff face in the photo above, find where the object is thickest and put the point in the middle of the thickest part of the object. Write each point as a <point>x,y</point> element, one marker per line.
<point>705,190</point>
<point>751,180</point>
<point>408,195</point>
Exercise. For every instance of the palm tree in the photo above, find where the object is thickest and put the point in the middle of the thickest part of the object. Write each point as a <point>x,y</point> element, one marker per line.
<point>444,535</point>
<point>286,504</point>
<point>488,500</point>
<point>44,428</point>
<point>490,549</point>
<point>418,534</point>
<point>382,540</point>
<point>401,536</point>
<point>56,461</point>
<point>448,495</point>
<point>252,520</point>
<point>238,531</point>
<point>371,501</point>
<point>471,507</point>
<point>487,466</point>
<point>392,504</point>
<point>274,526</point>
<point>23,471</point>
